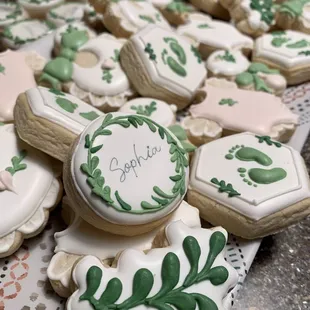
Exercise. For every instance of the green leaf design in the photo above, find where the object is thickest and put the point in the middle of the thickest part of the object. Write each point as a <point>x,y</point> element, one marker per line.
<point>260,85</point>
<point>182,301</point>
<point>204,26</point>
<point>56,92</point>
<point>265,8</point>
<point>147,18</point>
<point>268,140</point>
<point>122,203</point>
<point>229,101</point>
<point>95,149</point>
<point>146,110</point>
<point>116,56</point>
<point>204,302</point>
<point>2,69</point>
<point>227,57</point>
<point>16,163</point>
<point>188,147</point>
<point>66,104</point>
<point>299,44</point>
<point>279,41</point>
<point>92,115</point>
<point>107,75</point>
<point>218,275</point>
<point>305,53</point>
<point>93,279</point>
<point>223,188</point>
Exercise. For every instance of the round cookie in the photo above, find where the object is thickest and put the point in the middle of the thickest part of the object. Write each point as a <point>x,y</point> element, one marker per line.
<point>125,18</point>
<point>50,120</point>
<point>39,8</point>
<point>162,277</point>
<point>212,7</point>
<point>211,35</point>
<point>66,13</point>
<point>24,204</point>
<point>21,32</point>
<point>253,187</point>
<point>163,65</point>
<point>10,13</point>
<point>287,51</point>
<point>116,150</point>
<point>159,111</point>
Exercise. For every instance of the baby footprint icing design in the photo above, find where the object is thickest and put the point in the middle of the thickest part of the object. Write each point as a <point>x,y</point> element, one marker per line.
<point>255,175</point>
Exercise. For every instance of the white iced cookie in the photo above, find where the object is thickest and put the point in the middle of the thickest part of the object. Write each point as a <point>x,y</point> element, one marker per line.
<point>81,239</point>
<point>90,70</point>
<point>253,186</point>
<point>226,64</point>
<point>66,13</point>
<point>211,35</point>
<point>159,111</point>
<point>116,150</point>
<point>294,15</point>
<point>24,31</point>
<point>126,17</point>
<point>163,65</point>
<point>24,205</point>
<point>9,13</point>
<point>231,109</point>
<point>189,273</point>
<point>288,51</point>
<point>38,8</point>
<point>253,17</point>
<point>15,77</point>
<point>50,120</point>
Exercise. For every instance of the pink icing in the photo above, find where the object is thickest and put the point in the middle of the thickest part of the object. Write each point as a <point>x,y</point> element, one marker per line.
<point>17,78</point>
<point>256,112</point>
<point>6,181</point>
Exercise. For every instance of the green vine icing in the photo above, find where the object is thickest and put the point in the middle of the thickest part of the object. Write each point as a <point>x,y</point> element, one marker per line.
<point>180,133</point>
<point>305,53</point>
<point>179,7</point>
<point>146,110</point>
<point>13,15</point>
<point>66,104</point>
<point>115,58</point>
<point>147,18</point>
<point>227,57</point>
<point>92,115</point>
<point>17,164</point>
<point>196,54</point>
<point>96,180</point>
<point>204,26</point>
<point>2,69</point>
<point>225,188</point>
<point>228,101</point>
<point>171,293</point>
<point>267,139</point>
<point>107,75</point>
<point>265,8</point>
<point>149,50</point>
<point>293,8</point>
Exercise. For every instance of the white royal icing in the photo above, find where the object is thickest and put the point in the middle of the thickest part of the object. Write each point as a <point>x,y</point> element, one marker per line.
<point>159,111</point>
<point>253,202</point>
<point>135,15</point>
<point>153,261</point>
<point>9,13</point>
<point>62,109</point>
<point>91,79</point>
<point>23,209</point>
<point>283,55</point>
<point>130,156</point>
<point>159,70</point>
<point>66,13</point>
<point>39,5</point>
<point>233,64</point>
<point>217,34</point>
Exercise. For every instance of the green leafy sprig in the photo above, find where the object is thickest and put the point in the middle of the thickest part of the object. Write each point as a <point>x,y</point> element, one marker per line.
<point>107,75</point>
<point>16,163</point>
<point>146,110</point>
<point>149,50</point>
<point>268,140</point>
<point>147,18</point>
<point>229,101</point>
<point>227,57</point>
<point>196,53</point>
<point>225,188</point>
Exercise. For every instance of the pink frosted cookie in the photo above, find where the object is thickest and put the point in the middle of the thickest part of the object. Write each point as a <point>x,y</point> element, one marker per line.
<point>29,188</point>
<point>189,273</point>
<point>253,186</point>
<point>230,110</point>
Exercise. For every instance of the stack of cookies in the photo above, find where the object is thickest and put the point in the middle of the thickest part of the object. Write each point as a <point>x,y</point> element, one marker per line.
<point>149,117</point>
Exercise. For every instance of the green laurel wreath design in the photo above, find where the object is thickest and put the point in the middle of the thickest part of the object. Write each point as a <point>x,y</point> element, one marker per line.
<point>96,180</point>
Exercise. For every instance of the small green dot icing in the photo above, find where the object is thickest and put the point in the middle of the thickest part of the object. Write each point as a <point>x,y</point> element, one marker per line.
<point>107,75</point>
<point>196,54</point>
<point>265,8</point>
<point>251,154</point>
<point>241,170</point>
<point>225,188</point>
<point>299,44</point>
<point>74,39</point>
<point>264,176</point>
<point>149,50</point>
<point>229,156</point>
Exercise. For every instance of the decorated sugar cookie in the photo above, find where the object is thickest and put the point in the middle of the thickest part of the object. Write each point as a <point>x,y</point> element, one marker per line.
<point>126,17</point>
<point>227,64</point>
<point>211,35</point>
<point>230,110</point>
<point>50,120</point>
<point>116,150</point>
<point>66,13</point>
<point>287,51</point>
<point>294,15</point>
<point>16,75</point>
<point>24,31</point>
<point>163,65</point>
<point>39,8</point>
<point>252,17</point>
<point>10,13</point>
<point>253,187</point>
<point>260,77</point>
<point>90,70</point>
<point>189,273</point>
<point>81,239</point>
<point>212,7</point>
<point>28,190</point>
<point>161,112</point>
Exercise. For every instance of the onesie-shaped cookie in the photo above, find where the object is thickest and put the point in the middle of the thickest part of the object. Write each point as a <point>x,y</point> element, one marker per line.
<point>81,239</point>
<point>288,51</point>
<point>189,273</point>
<point>50,120</point>
<point>89,70</point>
<point>212,7</point>
<point>115,154</point>
<point>225,111</point>
<point>294,14</point>
<point>252,17</point>
<point>29,188</point>
<point>38,8</point>
<point>211,35</point>
<point>253,186</point>
<point>163,65</point>
<point>9,13</point>
<point>126,17</point>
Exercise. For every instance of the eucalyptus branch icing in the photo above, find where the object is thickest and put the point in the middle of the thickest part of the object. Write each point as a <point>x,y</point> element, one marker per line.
<point>293,8</point>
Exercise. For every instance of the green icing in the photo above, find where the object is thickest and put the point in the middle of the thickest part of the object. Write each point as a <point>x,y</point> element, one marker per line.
<point>56,92</point>
<point>179,7</point>
<point>225,188</point>
<point>265,8</point>
<point>180,133</point>
<point>146,110</point>
<point>147,18</point>
<point>251,154</point>
<point>299,44</point>
<point>149,50</point>
<point>13,15</point>
<point>2,69</point>
<point>107,75</point>
<point>171,293</point>
<point>257,67</point>
<point>293,8</point>
<point>304,53</point>
<point>244,79</point>
<point>17,164</point>
<point>203,26</point>
<point>97,182</point>
<point>228,101</point>
<point>66,104</point>
<point>279,41</point>
<point>92,115</point>
<point>74,39</point>
<point>116,56</point>
<point>264,176</point>
<point>196,54</point>
<point>227,57</point>
<point>267,139</point>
